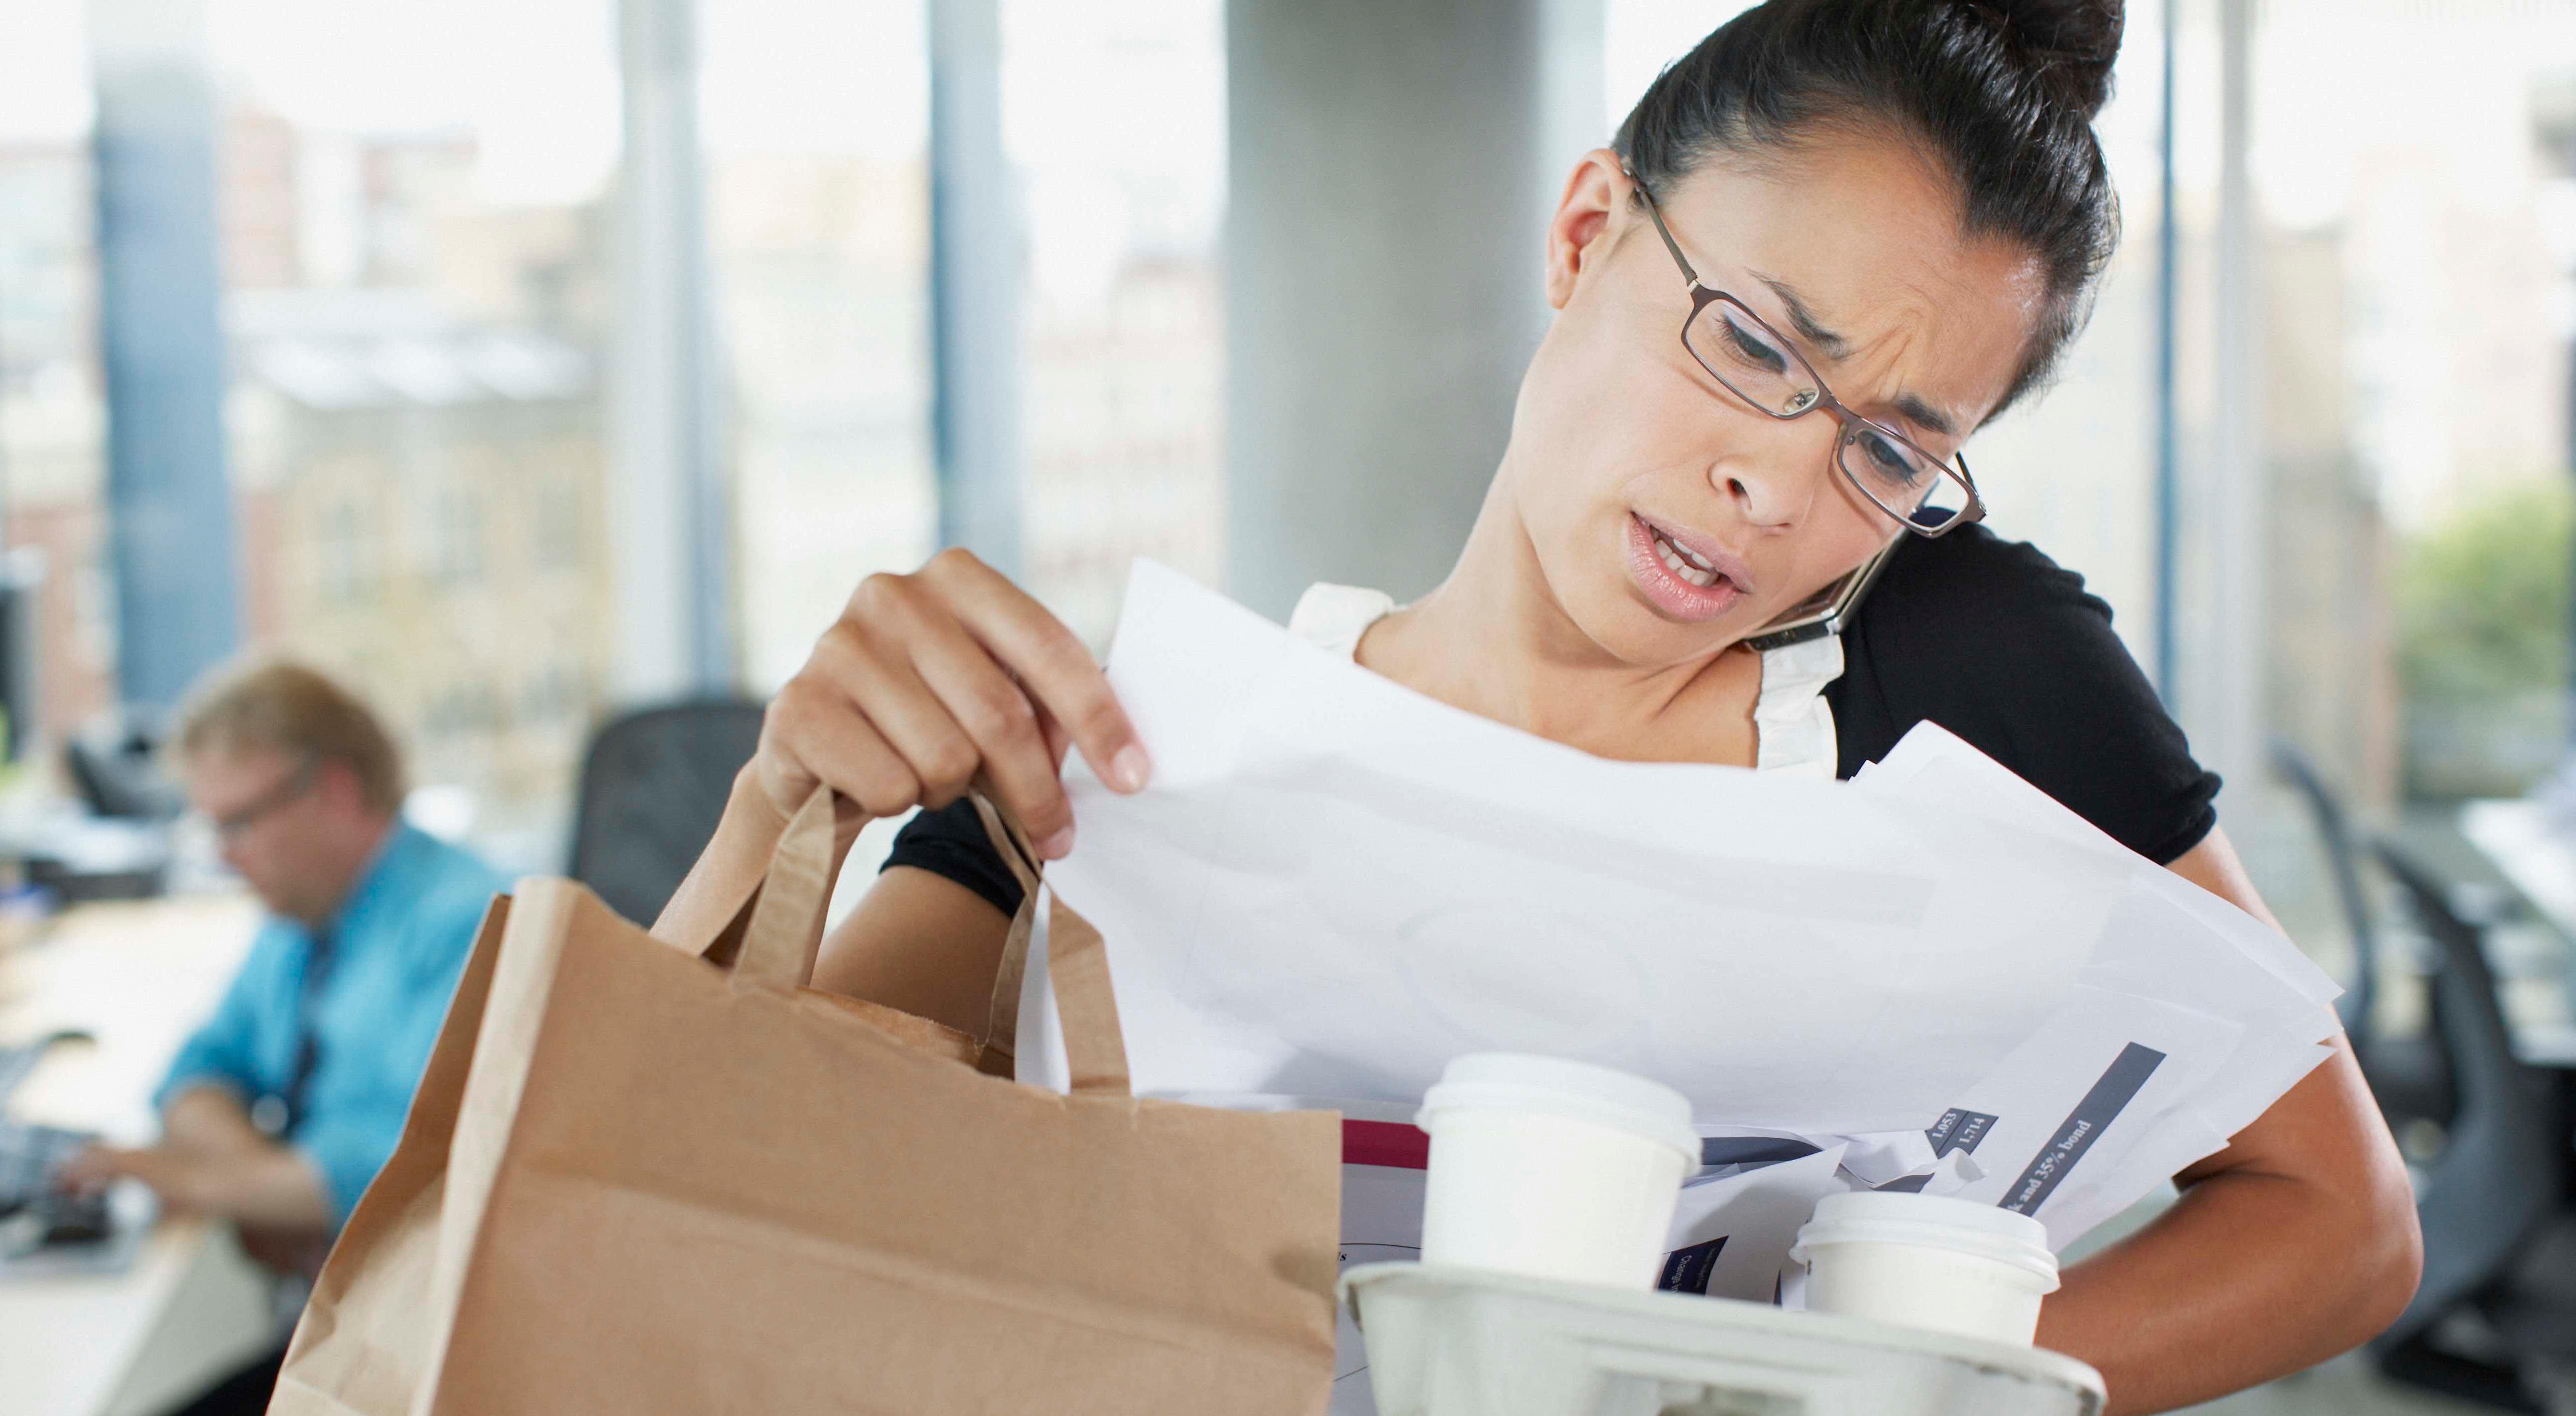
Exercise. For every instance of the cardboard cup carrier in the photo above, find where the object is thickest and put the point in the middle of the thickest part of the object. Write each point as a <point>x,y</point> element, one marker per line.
<point>1928,1261</point>
<point>1553,1169</point>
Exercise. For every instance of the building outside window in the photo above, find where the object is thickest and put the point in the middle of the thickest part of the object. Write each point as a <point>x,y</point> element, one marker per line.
<point>415,261</point>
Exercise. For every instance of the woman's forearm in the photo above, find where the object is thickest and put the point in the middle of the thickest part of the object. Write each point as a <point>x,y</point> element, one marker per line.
<point>2250,1276</point>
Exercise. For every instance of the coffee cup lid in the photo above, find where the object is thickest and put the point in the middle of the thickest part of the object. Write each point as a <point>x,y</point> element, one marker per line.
<point>1557,1086</point>
<point>1931,1221</point>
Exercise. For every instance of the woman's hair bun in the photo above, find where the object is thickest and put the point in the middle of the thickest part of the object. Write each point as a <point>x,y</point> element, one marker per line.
<point>2071,44</point>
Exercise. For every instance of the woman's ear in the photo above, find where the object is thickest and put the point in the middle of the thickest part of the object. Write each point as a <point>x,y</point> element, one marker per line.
<point>1578,236</point>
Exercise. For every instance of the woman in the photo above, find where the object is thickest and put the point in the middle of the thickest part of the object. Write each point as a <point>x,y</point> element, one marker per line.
<point>1874,224</point>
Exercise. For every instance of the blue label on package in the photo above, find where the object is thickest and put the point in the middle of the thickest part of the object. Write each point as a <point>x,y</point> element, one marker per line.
<point>1688,1270</point>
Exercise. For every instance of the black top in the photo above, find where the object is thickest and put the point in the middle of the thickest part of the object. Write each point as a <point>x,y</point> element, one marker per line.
<point>1986,637</point>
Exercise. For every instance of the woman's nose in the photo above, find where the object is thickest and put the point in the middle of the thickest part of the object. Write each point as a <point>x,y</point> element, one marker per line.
<point>1773,487</point>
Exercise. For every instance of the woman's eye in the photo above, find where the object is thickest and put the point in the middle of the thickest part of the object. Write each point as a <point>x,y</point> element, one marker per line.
<point>1754,350</point>
<point>1887,459</point>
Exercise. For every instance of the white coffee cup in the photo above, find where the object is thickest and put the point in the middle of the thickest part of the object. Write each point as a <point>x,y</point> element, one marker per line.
<point>1928,1261</point>
<point>1553,1169</point>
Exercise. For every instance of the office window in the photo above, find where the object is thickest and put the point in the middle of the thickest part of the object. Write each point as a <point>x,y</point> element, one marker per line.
<point>815,128</point>
<point>1114,123</point>
<point>457,531</point>
<point>52,408</point>
<point>413,206</point>
<point>2420,274</point>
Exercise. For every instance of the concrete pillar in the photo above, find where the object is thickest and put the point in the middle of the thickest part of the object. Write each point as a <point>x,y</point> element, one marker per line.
<point>169,500</point>
<point>667,495</point>
<point>1390,172</point>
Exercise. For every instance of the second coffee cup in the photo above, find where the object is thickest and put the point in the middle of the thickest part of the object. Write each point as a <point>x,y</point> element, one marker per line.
<point>1553,1169</point>
<point>1928,1261</point>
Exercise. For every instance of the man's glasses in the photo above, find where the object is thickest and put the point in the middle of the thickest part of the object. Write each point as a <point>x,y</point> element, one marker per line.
<point>1926,494</point>
<point>233,824</point>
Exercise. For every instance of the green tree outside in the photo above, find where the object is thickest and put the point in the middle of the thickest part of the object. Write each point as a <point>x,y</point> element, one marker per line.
<point>2482,628</point>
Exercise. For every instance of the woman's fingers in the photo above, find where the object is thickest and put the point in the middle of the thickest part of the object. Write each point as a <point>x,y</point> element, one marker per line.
<point>815,733</point>
<point>874,666</point>
<point>1058,672</point>
<point>1006,726</point>
<point>934,678</point>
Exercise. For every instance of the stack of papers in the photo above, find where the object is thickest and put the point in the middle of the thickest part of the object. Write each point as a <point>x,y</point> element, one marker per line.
<point>1932,976</point>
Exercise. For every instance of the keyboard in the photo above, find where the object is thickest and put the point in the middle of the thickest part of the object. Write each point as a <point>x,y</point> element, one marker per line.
<point>17,1062</point>
<point>33,1214</point>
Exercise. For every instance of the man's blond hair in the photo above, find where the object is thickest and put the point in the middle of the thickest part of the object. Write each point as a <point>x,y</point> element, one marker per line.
<point>288,708</point>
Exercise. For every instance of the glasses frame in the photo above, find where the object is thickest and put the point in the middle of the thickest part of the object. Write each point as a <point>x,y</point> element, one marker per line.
<point>1702,296</point>
<point>234,825</point>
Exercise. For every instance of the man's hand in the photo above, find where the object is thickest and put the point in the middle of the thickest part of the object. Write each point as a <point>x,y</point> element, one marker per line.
<point>262,1185</point>
<point>167,1169</point>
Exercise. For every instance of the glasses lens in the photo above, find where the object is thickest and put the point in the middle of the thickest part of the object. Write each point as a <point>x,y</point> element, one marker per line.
<point>1747,358</point>
<point>1901,478</point>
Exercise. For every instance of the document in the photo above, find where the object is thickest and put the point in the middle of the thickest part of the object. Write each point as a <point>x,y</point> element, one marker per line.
<point>1934,973</point>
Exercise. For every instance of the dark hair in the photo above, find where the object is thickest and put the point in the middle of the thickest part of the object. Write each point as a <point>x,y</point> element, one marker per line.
<point>2001,93</point>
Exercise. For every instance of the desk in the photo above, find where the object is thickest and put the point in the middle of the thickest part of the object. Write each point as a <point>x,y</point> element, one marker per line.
<point>139,976</point>
<point>2540,862</point>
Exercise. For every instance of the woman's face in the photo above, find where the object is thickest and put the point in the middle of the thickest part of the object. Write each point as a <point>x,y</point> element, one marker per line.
<point>1620,440</point>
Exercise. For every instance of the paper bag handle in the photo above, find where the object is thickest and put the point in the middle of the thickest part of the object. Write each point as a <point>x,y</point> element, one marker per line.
<point>1095,1047</point>
<point>786,931</point>
<point>785,935</point>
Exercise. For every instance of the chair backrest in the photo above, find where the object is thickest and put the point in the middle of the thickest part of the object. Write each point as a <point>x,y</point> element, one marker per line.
<point>2498,1175</point>
<point>653,786</point>
<point>2361,992</point>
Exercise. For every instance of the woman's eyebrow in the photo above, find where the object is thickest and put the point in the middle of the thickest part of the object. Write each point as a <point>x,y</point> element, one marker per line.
<point>1924,415</point>
<point>1803,319</point>
<point>1913,406</point>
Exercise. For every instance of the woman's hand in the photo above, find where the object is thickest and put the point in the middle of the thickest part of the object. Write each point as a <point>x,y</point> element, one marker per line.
<point>931,680</point>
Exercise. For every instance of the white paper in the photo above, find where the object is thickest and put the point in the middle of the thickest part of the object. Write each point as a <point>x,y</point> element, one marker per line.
<point>1335,885</point>
<point>1934,974</point>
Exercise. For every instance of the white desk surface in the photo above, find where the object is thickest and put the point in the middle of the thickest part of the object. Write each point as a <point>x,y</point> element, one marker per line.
<point>2540,861</point>
<point>139,977</point>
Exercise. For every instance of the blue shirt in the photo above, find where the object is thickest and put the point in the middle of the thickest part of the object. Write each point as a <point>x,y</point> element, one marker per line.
<point>399,942</point>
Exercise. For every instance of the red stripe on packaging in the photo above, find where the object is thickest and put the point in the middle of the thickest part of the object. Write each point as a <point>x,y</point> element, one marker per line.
<point>1398,1145</point>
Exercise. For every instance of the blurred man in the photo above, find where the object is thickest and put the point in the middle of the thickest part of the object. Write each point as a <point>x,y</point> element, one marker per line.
<point>285,1103</point>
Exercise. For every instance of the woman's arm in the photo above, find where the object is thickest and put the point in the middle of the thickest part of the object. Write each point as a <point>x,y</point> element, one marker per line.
<point>2296,1242</point>
<point>921,943</point>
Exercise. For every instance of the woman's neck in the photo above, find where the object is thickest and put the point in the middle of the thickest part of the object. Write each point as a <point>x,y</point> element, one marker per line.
<point>1491,639</point>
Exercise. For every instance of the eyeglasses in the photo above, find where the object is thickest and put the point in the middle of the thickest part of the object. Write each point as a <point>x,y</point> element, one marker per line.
<point>296,783</point>
<point>1927,495</point>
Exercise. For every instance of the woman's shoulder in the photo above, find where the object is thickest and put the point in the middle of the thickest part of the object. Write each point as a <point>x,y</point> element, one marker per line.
<point>1974,571</point>
<point>1974,617</point>
<point>1998,643</point>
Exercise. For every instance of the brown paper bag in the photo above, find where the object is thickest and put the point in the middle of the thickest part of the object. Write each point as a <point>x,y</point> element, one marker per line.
<point>638,1180</point>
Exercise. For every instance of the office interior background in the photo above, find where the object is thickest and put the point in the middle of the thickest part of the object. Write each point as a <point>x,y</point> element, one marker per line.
<point>523,362</point>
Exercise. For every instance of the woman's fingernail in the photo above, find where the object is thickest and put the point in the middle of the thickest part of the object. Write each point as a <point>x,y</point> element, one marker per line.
<point>1057,846</point>
<point>1129,769</point>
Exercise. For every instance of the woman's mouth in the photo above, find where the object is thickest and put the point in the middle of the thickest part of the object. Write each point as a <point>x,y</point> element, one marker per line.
<point>1684,584</point>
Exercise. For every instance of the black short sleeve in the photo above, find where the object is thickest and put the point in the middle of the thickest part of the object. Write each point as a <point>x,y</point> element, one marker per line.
<point>951,842</point>
<point>1994,641</point>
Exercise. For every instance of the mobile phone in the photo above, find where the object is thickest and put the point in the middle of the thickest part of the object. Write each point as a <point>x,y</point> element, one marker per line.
<point>1826,611</point>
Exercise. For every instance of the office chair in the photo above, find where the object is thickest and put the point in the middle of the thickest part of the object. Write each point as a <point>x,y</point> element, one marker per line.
<point>2409,1076</point>
<point>115,765</point>
<point>653,786</point>
<point>2495,1183</point>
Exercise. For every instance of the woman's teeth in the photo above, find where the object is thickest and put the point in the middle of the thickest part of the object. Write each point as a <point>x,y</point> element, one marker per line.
<point>1682,563</point>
